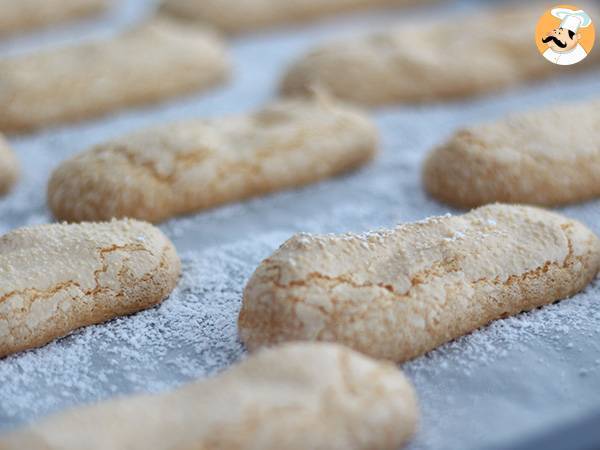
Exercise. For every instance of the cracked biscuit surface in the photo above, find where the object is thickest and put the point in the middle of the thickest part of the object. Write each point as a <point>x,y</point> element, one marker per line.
<point>185,167</point>
<point>56,278</point>
<point>24,15</point>
<point>545,157</point>
<point>447,59</point>
<point>396,294</point>
<point>154,61</point>
<point>294,397</point>
<point>9,167</point>
<point>234,16</point>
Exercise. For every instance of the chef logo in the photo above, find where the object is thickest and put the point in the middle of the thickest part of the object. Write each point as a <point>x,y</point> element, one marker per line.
<point>565,35</point>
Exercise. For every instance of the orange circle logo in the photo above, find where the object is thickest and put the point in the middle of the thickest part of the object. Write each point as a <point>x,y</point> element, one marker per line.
<point>565,35</point>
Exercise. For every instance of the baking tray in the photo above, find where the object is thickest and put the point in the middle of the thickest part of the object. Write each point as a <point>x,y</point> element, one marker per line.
<point>510,385</point>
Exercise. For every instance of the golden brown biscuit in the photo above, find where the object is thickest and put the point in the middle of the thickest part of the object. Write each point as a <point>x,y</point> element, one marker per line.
<point>294,397</point>
<point>396,294</point>
<point>453,58</point>
<point>234,16</point>
<point>57,278</point>
<point>153,62</point>
<point>24,15</point>
<point>544,157</point>
<point>185,167</point>
<point>9,167</point>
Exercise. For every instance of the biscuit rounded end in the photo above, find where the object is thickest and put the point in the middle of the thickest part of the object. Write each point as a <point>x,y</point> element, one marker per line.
<point>459,174</point>
<point>102,185</point>
<point>338,72</point>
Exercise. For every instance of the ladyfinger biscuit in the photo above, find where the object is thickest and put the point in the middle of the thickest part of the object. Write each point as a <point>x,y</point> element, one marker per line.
<point>428,62</point>
<point>293,397</point>
<point>396,294</point>
<point>24,15</point>
<point>56,278</point>
<point>544,157</point>
<point>185,167</point>
<point>233,16</point>
<point>9,168</point>
<point>155,61</point>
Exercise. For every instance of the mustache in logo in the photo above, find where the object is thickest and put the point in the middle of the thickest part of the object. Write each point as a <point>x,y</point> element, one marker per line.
<point>556,41</point>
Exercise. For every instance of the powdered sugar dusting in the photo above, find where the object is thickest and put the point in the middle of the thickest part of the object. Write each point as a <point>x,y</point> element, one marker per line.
<point>191,335</point>
<point>517,374</point>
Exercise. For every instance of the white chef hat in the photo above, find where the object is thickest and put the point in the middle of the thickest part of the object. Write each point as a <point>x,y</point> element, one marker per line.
<point>572,20</point>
